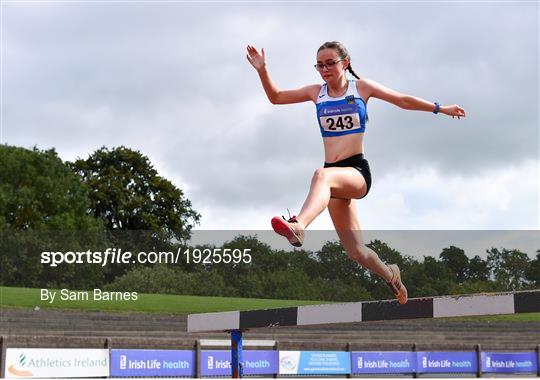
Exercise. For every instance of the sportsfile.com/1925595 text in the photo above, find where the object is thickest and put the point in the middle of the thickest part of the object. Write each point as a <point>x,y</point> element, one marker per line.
<point>118,256</point>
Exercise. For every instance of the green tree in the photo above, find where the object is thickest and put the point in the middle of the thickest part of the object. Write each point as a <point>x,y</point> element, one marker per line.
<point>128,193</point>
<point>38,191</point>
<point>142,210</point>
<point>305,261</point>
<point>478,269</point>
<point>166,279</point>
<point>440,277</point>
<point>533,271</point>
<point>247,279</point>
<point>509,267</point>
<point>41,201</point>
<point>455,259</point>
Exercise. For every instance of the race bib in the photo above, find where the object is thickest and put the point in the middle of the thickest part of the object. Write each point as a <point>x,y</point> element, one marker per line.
<point>340,118</point>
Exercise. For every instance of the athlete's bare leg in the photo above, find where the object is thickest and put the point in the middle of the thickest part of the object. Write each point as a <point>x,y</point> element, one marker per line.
<point>327,182</point>
<point>344,216</point>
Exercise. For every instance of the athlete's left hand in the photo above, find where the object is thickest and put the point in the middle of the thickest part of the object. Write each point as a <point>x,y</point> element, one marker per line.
<point>454,111</point>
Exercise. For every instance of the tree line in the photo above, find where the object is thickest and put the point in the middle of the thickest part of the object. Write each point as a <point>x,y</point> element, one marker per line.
<point>115,198</point>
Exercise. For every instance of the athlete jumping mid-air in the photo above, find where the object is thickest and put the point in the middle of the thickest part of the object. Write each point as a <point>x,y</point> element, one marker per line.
<point>341,113</point>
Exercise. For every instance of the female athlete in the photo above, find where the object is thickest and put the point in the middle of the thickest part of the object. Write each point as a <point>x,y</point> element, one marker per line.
<point>341,113</point>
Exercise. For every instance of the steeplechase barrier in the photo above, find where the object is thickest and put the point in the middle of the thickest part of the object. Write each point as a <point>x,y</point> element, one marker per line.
<point>236,322</point>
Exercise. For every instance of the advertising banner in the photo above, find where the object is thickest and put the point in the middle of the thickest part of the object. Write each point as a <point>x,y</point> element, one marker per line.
<point>314,363</point>
<point>152,363</point>
<point>447,362</point>
<point>218,362</point>
<point>57,363</point>
<point>509,362</point>
<point>365,362</point>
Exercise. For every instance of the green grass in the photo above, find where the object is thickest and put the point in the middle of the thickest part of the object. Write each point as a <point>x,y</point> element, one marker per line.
<point>174,304</point>
<point>148,303</point>
<point>523,317</point>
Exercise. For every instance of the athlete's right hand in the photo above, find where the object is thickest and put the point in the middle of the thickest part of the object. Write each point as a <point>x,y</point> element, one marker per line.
<point>257,60</point>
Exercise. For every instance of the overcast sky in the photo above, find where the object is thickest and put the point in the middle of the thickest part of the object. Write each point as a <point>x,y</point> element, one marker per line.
<point>171,80</point>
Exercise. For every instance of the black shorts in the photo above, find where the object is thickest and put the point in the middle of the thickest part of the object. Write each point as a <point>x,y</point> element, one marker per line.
<point>359,163</point>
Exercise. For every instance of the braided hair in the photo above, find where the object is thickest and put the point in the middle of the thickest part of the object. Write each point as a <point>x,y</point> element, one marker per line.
<point>342,52</point>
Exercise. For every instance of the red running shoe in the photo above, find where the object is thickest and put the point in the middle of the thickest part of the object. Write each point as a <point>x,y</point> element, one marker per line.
<point>290,229</point>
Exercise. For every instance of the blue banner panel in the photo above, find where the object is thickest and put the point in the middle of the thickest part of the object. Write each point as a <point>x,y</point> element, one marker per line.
<point>218,363</point>
<point>509,362</point>
<point>152,363</point>
<point>447,362</point>
<point>365,362</point>
<point>314,363</point>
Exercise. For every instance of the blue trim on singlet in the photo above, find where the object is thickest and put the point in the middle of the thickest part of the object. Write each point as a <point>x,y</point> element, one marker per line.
<point>342,106</point>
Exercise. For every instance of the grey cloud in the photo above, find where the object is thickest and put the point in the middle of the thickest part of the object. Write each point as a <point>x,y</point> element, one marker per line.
<point>172,80</point>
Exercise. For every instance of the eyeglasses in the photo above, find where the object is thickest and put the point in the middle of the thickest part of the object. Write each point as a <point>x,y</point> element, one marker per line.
<point>327,65</point>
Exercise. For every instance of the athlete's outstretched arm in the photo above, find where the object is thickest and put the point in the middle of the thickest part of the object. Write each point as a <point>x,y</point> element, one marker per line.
<point>409,102</point>
<point>274,94</point>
